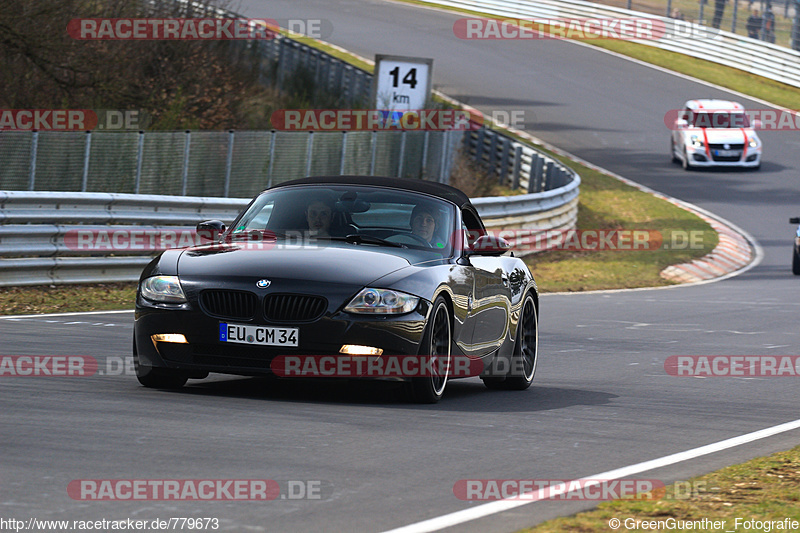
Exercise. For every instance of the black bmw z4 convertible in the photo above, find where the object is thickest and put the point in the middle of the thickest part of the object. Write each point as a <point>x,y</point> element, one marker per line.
<point>345,276</point>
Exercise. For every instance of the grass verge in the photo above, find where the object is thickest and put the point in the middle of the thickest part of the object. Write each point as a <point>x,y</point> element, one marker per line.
<point>609,204</point>
<point>66,298</point>
<point>766,489</point>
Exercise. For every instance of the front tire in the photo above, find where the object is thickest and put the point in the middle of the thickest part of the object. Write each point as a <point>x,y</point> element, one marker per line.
<point>795,263</point>
<point>158,378</point>
<point>685,163</point>
<point>675,159</point>
<point>436,343</point>
<point>526,352</point>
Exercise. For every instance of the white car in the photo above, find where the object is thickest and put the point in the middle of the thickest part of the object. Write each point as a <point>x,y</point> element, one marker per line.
<point>715,133</point>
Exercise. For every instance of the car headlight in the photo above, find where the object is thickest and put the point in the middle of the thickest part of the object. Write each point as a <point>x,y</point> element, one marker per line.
<point>753,143</point>
<point>696,141</point>
<point>165,289</point>
<point>382,301</point>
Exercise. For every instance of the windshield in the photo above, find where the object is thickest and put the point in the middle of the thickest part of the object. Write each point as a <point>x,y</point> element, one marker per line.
<point>719,119</point>
<point>359,214</point>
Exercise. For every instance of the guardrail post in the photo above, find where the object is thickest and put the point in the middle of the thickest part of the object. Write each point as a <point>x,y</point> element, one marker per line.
<point>548,176</point>
<point>87,148</point>
<point>34,153</point>
<point>402,154</point>
<point>504,161</point>
<point>344,153</point>
<point>535,179</point>
<point>479,146</point>
<point>374,150</point>
<point>228,163</point>
<point>309,152</point>
<point>492,151</point>
<point>467,140</point>
<point>185,177</point>
<point>139,153</point>
<point>517,167</point>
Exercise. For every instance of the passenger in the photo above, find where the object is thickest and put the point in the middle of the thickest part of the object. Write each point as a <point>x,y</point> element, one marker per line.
<point>423,222</point>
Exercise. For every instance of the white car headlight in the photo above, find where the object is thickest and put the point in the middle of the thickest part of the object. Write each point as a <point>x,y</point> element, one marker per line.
<point>753,143</point>
<point>382,301</point>
<point>165,289</point>
<point>696,141</point>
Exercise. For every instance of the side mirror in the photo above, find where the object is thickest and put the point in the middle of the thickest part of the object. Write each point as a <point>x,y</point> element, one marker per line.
<point>794,220</point>
<point>488,245</point>
<point>210,230</point>
<point>681,123</point>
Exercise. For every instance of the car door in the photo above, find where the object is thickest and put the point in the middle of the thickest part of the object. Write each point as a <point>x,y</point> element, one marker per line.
<point>489,307</point>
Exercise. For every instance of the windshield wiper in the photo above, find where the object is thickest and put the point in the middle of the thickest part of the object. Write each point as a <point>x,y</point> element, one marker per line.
<point>355,238</point>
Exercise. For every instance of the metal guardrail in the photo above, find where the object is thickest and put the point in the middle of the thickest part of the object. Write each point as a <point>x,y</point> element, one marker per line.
<point>726,48</point>
<point>34,225</point>
<point>34,228</point>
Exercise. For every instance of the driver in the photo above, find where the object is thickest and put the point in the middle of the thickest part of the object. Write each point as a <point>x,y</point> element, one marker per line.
<point>423,222</point>
<point>318,216</point>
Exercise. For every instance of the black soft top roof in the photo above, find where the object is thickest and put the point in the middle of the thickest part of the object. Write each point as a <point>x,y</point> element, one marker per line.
<point>440,190</point>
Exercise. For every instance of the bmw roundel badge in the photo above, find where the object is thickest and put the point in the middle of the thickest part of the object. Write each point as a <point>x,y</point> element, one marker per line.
<point>263,283</point>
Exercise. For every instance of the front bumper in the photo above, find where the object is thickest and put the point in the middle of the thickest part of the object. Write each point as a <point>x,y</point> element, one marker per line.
<point>204,352</point>
<point>699,157</point>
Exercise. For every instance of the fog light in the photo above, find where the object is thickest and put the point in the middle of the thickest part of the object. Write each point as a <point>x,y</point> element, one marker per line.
<point>169,337</point>
<point>354,349</point>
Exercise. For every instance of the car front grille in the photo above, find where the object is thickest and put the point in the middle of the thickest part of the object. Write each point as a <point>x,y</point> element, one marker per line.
<point>726,158</point>
<point>237,305</point>
<point>293,307</point>
<point>739,146</point>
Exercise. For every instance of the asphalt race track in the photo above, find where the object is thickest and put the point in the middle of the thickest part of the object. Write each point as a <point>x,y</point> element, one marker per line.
<point>602,399</point>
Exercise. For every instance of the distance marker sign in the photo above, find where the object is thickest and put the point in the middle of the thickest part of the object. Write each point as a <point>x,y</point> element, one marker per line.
<point>402,83</point>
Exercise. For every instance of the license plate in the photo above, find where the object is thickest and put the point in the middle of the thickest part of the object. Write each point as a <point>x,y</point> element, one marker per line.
<point>727,153</point>
<point>261,335</point>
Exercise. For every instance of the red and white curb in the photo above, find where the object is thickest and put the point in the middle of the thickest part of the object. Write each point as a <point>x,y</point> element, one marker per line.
<point>731,254</point>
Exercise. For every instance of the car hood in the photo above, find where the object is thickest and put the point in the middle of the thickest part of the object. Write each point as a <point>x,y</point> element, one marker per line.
<point>727,135</point>
<point>337,263</point>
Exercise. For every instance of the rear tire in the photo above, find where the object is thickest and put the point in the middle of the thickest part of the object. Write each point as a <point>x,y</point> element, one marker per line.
<point>436,343</point>
<point>526,352</point>
<point>795,263</point>
<point>158,378</point>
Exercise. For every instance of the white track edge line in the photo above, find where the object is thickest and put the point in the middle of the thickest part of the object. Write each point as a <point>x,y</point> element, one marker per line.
<point>74,313</point>
<point>466,515</point>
